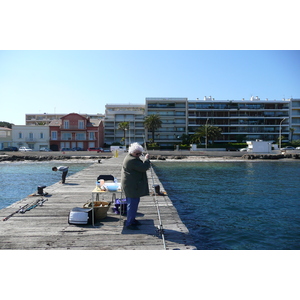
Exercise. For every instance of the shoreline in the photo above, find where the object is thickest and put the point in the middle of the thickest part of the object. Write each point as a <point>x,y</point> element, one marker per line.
<point>187,156</point>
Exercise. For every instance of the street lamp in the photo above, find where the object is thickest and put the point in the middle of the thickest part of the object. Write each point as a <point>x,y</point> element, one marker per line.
<point>129,141</point>
<point>206,133</point>
<point>280,133</point>
<point>125,129</point>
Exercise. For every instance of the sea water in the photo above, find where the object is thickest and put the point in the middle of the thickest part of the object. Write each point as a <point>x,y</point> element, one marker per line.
<point>20,179</point>
<point>236,205</point>
<point>225,205</point>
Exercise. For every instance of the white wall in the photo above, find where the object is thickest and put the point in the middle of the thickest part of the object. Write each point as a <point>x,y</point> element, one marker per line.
<point>30,136</point>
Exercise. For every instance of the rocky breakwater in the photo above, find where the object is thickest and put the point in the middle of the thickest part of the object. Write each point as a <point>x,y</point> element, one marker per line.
<point>164,157</point>
<point>15,158</point>
<point>271,156</point>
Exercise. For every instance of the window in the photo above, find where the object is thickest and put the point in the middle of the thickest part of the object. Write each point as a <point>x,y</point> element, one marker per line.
<point>65,145</point>
<point>67,136</point>
<point>91,136</point>
<point>80,136</point>
<point>180,105</point>
<point>31,136</point>
<point>179,121</point>
<point>80,124</point>
<point>66,124</point>
<point>54,135</point>
<point>20,135</point>
<point>42,135</point>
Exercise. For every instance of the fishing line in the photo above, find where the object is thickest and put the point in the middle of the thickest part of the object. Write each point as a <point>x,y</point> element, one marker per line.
<point>160,226</point>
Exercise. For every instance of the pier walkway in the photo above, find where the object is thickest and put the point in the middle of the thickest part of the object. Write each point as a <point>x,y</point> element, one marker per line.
<point>46,227</point>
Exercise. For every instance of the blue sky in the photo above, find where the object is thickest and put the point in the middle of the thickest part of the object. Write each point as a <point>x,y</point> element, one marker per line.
<point>84,81</point>
<point>65,56</point>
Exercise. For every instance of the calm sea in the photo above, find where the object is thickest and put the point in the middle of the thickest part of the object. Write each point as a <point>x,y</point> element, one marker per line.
<point>20,179</point>
<point>236,205</point>
<point>225,205</point>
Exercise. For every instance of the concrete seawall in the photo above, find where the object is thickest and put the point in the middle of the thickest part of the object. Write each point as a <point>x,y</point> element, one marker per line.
<point>46,227</point>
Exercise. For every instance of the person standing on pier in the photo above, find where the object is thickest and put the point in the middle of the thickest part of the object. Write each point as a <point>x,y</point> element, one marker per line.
<point>64,171</point>
<point>134,181</point>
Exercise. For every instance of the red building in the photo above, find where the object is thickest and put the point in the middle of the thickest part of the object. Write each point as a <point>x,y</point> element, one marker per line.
<point>76,131</point>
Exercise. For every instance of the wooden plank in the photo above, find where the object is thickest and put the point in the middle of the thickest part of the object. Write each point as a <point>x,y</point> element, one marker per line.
<point>46,227</point>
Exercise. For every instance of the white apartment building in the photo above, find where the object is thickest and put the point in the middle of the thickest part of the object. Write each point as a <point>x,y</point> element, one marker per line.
<point>45,119</point>
<point>240,120</point>
<point>32,136</point>
<point>173,113</point>
<point>41,119</point>
<point>295,119</point>
<point>117,113</point>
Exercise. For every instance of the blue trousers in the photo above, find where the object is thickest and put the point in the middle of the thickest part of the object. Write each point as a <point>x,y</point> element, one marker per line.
<point>63,176</point>
<point>132,207</point>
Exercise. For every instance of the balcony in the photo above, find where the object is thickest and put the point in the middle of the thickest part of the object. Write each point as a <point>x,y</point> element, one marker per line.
<point>71,127</point>
<point>74,139</point>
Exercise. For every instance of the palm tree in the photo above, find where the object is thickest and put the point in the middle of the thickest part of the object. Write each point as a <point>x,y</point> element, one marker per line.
<point>212,132</point>
<point>152,123</point>
<point>123,126</point>
<point>200,132</point>
<point>185,139</point>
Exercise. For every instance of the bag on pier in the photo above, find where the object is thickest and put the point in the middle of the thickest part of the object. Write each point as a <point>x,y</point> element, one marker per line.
<point>120,207</point>
<point>80,216</point>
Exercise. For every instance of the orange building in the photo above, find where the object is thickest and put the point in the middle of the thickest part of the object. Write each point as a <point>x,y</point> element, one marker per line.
<point>76,131</point>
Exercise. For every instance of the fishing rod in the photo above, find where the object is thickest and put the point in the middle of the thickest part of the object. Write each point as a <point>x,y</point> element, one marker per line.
<point>17,211</point>
<point>34,204</point>
<point>160,226</point>
<point>42,201</point>
<point>27,207</point>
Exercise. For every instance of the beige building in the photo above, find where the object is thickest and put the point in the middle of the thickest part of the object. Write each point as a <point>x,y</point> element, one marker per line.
<point>5,137</point>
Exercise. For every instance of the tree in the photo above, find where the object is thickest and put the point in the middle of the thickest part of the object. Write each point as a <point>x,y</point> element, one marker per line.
<point>186,139</point>
<point>200,132</point>
<point>123,126</point>
<point>212,132</point>
<point>152,123</point>
<point>5,124</point>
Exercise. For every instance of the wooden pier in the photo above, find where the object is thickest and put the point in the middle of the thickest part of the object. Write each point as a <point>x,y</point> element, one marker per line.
<point>46,227</point>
